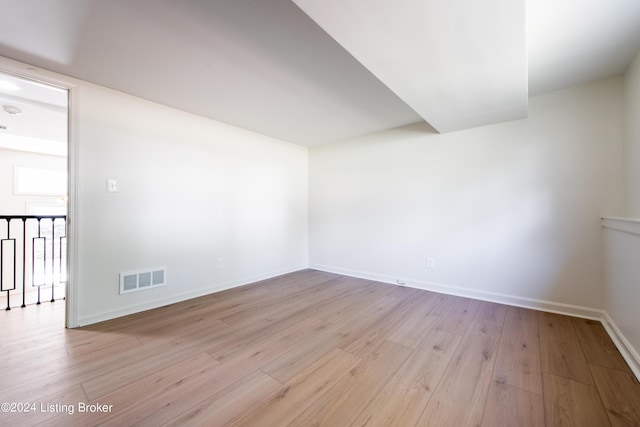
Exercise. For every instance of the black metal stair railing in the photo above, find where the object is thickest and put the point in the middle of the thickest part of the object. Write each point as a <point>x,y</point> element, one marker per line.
<point>44,237</point>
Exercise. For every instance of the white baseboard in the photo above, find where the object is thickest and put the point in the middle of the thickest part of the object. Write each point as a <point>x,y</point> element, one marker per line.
<point>629,354</point>
<point>161,302</point>
<point>626,349</point>
<point>549,306</point>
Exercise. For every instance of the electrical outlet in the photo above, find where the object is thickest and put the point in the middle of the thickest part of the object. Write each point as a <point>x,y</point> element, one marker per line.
<point>400,282</point>
<point>431,262</point>
<point>220,263</point>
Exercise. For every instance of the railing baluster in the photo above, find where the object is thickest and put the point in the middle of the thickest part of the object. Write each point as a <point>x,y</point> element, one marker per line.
<point>9,256</point>
<point>53,255</point>
<point>2,266</point>
<point>33,260</point>
<point>24,261</point>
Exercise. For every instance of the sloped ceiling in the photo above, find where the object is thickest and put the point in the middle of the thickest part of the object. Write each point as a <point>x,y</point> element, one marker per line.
<point>458,63</point>
<point>343,68</point>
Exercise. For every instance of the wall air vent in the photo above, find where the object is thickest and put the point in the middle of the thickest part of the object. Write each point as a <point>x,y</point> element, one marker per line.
<point>139,280</point>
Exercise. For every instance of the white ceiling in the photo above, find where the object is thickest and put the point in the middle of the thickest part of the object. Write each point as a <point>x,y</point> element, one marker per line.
<point>266,66</point>
<point>458,63</point>
<point>40,120</point>
<point>577,41</point>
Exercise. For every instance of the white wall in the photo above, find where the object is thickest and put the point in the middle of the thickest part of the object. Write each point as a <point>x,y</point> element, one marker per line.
<point>622,287</point>
<point>191,191</point>
<point>632,137</point>
<point>512,208</point>
<point>622,236</point>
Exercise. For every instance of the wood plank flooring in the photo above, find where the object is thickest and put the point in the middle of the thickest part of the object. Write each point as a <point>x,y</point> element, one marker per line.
<point>312,348</point>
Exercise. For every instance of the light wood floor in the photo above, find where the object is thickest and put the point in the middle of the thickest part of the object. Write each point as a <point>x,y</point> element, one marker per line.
<point>313,348</point>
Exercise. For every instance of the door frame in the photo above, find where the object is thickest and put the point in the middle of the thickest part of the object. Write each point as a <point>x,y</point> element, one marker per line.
<point>72,86</point>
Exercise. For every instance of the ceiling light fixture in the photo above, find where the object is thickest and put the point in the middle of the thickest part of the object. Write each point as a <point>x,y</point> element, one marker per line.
<point>12,109</point>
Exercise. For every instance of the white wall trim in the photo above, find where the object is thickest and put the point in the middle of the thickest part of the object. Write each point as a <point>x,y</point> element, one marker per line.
<point>160,302</point>
<point>549,306</point>
<point>629,354</point>
<point>626,225</point>
<point>71,314</point>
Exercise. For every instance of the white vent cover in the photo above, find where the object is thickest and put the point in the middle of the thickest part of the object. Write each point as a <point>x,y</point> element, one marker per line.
<point>140,280</point>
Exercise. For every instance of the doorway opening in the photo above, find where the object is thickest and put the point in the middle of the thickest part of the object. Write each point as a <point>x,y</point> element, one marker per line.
<point>34,146</point>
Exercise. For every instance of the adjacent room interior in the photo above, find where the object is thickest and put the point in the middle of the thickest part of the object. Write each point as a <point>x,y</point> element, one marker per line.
<point>295,191</point>
<point>33,190</point>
